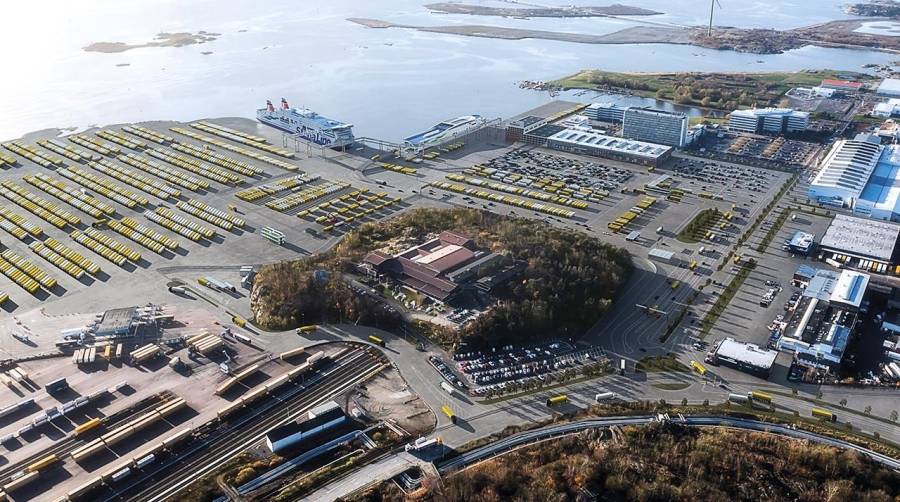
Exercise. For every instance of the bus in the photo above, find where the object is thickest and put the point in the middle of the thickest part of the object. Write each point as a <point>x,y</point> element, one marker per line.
<point>377,341</point>
<point>306,329</point>
<point>447,411</point>
<point>760,396</point>
<point>824,414</point>
<point>557,400</point>
<point>699,368</point>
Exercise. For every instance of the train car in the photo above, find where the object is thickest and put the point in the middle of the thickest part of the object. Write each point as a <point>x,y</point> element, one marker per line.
<point>42,463</point>
<point>699,368</point>
<point>557,400</point>
<point>760,396</point>
<point>449,412</point>
<point>87,426</point>
<point>292,353</point>
<point>824,414</point>
<point>377,341</point>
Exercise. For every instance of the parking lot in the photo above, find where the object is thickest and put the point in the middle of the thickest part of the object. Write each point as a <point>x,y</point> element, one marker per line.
<point>777,149</point>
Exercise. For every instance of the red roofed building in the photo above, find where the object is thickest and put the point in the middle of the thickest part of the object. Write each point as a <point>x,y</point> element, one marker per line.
<point>841,85</point>
<point>424,267</point>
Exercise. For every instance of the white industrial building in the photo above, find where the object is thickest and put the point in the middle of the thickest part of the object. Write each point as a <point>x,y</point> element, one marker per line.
<point>860,242</point>
<point>889,87</point>
<point>863,175</point>
<point>600,145</point>
<point>770,120</point>
<point>887,109</point>
<point>846,170</point>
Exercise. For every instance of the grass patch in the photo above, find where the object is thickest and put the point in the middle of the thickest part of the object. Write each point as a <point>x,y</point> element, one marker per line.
<point>671,385</point>
<point>717,91</point>
<point>695,231</point>
<point>658,364</point>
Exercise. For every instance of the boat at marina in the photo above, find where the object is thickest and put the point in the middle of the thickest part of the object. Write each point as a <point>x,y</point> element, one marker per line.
<point>307,125</point>
<point>444,132</point>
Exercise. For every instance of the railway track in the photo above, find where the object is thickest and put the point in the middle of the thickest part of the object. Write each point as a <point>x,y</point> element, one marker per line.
<point>70,443</point>
<point>181,470</point>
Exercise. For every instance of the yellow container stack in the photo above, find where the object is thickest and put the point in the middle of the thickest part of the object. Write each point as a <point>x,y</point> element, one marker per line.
<point>55,258</point>
<point>171,175</point>
<point>237,149</point>
<point>104,187</point>
<point>196,167</point>
<point>142,183</point>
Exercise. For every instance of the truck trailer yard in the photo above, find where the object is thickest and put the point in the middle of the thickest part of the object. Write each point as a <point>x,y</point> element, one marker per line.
<point>193,338</point>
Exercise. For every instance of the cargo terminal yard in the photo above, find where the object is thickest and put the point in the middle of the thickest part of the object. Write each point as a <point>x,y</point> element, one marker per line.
<point>149,234</point>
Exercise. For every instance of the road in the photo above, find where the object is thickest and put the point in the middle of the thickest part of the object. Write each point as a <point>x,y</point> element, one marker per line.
<point>529,437</point>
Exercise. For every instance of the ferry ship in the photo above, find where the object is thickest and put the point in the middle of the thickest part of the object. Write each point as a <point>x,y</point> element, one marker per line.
<point>307,124</point>
<point>444,131</point>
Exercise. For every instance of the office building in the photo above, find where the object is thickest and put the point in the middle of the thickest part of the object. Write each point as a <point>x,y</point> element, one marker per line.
<point>768,120</point>
<point>605,112</point>
<point>655,126</point>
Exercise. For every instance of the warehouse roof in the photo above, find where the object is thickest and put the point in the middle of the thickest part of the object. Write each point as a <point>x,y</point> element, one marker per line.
<point>747,353</point>
<point>588,139</point>
<point>861,237</point>
<point>849,165</point>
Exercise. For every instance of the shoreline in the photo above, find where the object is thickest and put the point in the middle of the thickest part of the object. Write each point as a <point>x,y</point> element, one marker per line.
<point>833,34</point>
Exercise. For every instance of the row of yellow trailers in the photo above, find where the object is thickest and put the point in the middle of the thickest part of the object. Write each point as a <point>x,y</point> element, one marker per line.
<point>58,216</point>
<point>218,159</point>
<point>255,193</point>
<point>347,208</point>
<point>7,160</point>
<point>409,171</point>
<point>565,200</point>
<point>104,187</point>
<point>197,167</point>
<point>210,214</point>
<point>70,195</point>
<point>242,137</point>
<point>548,184</point>
<point>626,218</point>
<point>505,199</point>
<point>40,158</point>
<point>170,175</point>
<point>122,140</point>
<point>234,148</point>
<point>306,195</point>
<point>148,134</point>
<point>135,179</point>
<point>17,225</point>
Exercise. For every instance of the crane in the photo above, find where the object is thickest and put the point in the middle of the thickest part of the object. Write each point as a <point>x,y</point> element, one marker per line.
<point>712,8</point>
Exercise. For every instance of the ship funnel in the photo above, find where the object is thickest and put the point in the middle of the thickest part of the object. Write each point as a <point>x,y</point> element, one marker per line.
<point>269,106</point>
<point>284,104</point>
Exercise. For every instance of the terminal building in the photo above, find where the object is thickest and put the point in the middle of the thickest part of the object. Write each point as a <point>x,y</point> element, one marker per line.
<point>745,357</point>
<point>655,126</point>
<point>768,120</point>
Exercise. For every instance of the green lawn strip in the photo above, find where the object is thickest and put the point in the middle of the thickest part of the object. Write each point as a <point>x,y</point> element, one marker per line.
<point>654,364</point>
<point>695,231</point>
